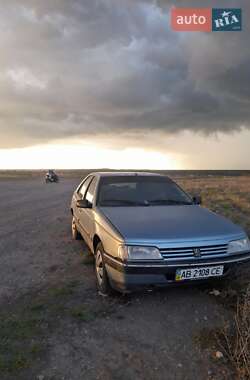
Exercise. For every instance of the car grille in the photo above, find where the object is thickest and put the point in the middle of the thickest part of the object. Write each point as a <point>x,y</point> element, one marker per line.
<point>188,253</point>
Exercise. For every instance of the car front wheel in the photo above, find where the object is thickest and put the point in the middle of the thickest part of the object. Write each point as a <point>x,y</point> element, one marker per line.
<point>102,279</point>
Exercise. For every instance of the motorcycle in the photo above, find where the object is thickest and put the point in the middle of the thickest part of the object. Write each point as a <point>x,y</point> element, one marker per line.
<point>51,177</point>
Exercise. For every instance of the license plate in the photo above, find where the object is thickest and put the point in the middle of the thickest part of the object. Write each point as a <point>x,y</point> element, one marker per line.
<point>196,273</point>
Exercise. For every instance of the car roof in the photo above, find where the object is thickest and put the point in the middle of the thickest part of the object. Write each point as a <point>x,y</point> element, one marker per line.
<point>123,174</point>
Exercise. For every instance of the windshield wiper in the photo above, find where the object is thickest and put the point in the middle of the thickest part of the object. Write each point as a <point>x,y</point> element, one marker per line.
<point>124,202</point>
<point>168,202</point>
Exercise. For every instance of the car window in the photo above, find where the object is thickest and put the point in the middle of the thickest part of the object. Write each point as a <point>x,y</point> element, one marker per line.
<point>84,186</point>
<point>91,190</point>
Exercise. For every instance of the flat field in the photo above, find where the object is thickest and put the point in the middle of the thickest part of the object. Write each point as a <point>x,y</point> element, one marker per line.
<point>53,323</point>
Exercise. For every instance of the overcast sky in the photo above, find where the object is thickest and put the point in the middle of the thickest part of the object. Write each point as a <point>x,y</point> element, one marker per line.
<point>112,73</point>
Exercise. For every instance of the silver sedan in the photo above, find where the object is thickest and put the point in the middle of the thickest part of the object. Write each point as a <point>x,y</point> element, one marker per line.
<point>145,231</point>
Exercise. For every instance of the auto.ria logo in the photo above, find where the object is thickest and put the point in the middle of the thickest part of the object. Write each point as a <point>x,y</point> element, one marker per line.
<point>226,19</point>
<point>206,19</point>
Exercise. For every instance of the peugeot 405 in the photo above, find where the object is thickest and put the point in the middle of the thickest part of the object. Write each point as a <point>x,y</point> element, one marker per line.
<point>145,231</point>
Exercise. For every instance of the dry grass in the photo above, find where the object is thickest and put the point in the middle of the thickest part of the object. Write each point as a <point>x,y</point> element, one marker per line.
<point>235,338</point>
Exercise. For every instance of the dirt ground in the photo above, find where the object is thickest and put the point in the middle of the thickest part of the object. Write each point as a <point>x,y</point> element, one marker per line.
<point>53,323</point>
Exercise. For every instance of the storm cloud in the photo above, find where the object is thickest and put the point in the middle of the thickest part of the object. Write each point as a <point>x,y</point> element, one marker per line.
<point>88,67</point>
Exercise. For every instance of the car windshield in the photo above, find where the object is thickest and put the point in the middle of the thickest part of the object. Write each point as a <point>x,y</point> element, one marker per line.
<point>138,190</point>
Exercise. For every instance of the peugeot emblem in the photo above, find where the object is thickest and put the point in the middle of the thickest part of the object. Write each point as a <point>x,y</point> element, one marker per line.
<point>197,252</point>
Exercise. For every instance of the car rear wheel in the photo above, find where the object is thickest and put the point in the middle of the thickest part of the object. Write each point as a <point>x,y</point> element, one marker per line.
<point>102,279</point>
<point>75,234</point>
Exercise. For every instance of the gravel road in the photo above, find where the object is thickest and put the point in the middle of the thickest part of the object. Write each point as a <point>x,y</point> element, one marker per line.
<point>148,335</point>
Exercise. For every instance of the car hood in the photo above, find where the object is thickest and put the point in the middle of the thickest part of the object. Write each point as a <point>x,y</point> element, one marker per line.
<point>156,224</point>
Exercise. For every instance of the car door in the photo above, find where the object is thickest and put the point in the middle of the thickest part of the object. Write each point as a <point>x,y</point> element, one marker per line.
<point>80,194</point>
<point>87,214</point>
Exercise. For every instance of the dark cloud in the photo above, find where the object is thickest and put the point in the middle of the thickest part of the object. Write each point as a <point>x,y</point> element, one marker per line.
<point>88,67</point>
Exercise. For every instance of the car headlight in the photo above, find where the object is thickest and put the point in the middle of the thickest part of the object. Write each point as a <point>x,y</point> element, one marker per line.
<point>238,246</point>
<point>130,252</point>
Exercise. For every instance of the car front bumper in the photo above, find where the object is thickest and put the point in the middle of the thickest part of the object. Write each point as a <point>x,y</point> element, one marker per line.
<point>127,277</point>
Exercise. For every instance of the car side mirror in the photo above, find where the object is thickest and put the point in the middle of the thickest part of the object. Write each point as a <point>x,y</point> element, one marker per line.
<point>197,200</point>
<point>83,203</point>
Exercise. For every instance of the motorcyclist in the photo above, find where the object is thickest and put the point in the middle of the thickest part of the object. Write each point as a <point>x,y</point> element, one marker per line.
<point>51,176</point>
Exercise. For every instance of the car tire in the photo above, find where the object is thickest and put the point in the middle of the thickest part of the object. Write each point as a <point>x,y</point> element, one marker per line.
<point>75,233</point>
<point>102,280</point>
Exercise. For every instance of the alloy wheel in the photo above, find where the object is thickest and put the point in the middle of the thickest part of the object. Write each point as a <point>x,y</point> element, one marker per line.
<point>99,267</point>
